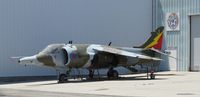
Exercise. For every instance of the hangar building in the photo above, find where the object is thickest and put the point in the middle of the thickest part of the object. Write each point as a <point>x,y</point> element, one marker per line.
<point>28,26</point>
<point>183,41</point>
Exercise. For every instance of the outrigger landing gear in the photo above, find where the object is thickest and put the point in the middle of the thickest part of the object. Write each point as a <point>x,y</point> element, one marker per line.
<point>152,75</point>
<point>112,74</point>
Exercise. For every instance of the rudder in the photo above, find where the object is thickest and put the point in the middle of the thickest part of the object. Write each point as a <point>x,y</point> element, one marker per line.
<point>155,41</point>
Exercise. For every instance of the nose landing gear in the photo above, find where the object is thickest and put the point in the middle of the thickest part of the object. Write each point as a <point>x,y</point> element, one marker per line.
<point>62,78</point>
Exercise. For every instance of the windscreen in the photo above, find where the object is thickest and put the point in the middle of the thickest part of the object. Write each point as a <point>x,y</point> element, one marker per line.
<point>51,48</point>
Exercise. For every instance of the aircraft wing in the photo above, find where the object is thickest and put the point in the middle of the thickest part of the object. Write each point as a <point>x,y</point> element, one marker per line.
<point>116,51</point>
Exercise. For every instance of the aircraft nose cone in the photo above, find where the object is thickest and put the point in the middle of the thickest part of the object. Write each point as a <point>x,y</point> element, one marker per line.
<point>27,60</point>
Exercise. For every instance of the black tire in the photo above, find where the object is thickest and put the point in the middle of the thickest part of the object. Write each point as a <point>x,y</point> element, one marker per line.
<point>62,78</point>
<point>112,74</point>
<point>91,76</point>
<point>115,74</point>
<point>152,76</point>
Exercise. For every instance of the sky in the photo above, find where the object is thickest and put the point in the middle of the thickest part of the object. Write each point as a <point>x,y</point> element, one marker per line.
<point>27,26</point>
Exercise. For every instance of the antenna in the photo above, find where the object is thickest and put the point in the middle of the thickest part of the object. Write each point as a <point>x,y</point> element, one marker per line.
<point>70,42</point>
<point>109,43</point>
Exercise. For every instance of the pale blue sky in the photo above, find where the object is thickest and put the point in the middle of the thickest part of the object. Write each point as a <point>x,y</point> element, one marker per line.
<point>27,26</point>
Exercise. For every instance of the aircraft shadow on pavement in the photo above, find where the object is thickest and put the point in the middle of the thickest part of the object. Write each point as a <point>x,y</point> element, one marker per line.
<point>14,80</point>
<point>120,79</point>
<point>101,79</point>
<point>78,80</point>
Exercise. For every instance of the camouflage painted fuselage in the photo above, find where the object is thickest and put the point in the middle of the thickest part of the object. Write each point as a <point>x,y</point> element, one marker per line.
<point>85,56</point>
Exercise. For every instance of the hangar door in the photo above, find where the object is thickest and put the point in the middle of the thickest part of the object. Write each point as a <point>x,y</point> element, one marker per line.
<point>195,43</point>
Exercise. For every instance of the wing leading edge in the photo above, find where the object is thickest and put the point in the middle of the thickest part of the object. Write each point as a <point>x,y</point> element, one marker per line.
<point>116,51</point>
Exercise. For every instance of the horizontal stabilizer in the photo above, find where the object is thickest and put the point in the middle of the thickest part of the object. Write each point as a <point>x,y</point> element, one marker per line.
<point>162,53</point>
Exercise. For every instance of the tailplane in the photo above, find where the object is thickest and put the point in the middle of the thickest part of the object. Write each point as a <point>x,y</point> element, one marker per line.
<point>155,41</point>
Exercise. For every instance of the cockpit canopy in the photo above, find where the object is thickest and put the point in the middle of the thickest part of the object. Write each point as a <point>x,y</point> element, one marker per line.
<point>51,48</point>
<point>55,51</point>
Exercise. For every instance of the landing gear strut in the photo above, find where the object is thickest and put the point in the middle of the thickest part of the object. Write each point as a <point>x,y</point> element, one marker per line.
<point>112,74</point>
<point>152,75</point>
<point>91,73</point>
<point>61,78</point>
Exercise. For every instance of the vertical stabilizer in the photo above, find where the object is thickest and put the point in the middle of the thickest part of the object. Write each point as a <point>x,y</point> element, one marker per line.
<point>155,41</point>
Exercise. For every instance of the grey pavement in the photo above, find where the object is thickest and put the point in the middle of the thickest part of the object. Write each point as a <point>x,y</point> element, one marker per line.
<point>33,93</point>
<point>166,84</point>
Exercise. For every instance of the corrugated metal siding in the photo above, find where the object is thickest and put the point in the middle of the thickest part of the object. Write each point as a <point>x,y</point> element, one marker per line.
<point>178,39</point>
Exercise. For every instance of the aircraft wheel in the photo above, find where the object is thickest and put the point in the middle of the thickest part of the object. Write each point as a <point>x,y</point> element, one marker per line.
<point>112,74</point>
<point>62,78</point>
<point>152,75</point>
<point>91,76</point>
<point>115,74</point>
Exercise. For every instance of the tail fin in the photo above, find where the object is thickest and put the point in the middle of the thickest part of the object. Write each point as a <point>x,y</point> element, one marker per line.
<point>155,41</point>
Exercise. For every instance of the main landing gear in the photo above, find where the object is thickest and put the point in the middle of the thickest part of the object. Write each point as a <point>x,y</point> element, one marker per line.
<point>112,74</point>
<point>91,73</point>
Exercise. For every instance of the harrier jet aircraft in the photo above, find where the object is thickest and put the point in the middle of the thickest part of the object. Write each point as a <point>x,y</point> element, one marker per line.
<point>64,57</point>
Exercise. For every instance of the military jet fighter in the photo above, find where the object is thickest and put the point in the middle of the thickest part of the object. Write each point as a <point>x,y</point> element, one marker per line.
<point>64,57</point>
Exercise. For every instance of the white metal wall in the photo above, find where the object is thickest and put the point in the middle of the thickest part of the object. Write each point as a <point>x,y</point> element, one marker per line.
<point>27,26</point>
<point>179,40</point>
